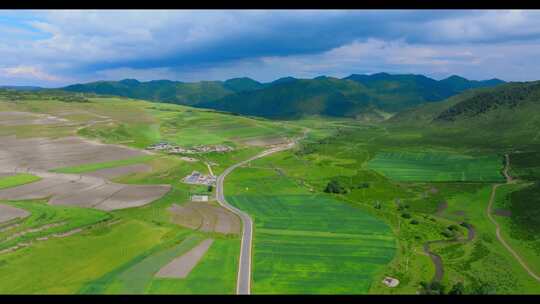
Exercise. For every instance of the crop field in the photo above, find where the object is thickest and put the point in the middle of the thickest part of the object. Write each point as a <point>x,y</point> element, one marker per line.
<point>437,166</point>
<point>308,243</point>
<point>65,265</point>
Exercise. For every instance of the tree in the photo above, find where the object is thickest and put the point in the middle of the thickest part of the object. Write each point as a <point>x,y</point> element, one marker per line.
<point>457,289</point>
<point>433,288</point>
<point>210,188</point>
<point>406,215</point>
<point>334,187</point>
<point>415,222</point>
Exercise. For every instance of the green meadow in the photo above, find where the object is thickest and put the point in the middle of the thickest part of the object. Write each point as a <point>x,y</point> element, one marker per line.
<point>437,167</point>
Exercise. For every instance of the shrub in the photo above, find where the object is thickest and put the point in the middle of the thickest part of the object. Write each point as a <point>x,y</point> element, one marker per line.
<point>453,228</point>
<point>406,215</point>
<point>448,233</point>
<point>415,222</point>
<point>334,187</point>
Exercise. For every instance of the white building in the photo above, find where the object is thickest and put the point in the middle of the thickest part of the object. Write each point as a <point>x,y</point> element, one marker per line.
<point>199,198</point>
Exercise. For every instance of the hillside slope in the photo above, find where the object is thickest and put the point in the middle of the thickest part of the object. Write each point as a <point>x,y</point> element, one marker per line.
<point>507,115</point>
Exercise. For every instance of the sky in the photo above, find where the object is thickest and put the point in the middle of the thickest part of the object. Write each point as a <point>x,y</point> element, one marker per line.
<point>60,47</point>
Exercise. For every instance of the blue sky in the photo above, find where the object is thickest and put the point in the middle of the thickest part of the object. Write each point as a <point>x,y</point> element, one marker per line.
<point>55,48</point>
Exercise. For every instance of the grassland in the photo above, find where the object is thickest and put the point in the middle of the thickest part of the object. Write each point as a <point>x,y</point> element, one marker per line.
<point>437,167</point>
<point>17,180</point>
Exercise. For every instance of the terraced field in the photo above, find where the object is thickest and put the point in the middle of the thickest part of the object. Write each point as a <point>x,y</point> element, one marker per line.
<point>437,167</point>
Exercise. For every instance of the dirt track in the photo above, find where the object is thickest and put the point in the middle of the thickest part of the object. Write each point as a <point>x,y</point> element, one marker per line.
<point>180,267</point>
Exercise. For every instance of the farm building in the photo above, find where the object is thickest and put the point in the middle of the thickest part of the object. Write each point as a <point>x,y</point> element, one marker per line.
<point>199,179</point>
<point>199,198</point>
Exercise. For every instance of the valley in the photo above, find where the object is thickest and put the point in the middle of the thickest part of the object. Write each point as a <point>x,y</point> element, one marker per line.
<point>312,205</point>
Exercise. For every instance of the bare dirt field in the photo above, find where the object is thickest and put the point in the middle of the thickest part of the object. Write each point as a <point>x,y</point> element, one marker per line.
<point>120,171</point>
<point>180,267</point>
<point>263,142</point>
<point>205,217</point>
<point>38,155</point>
<point>46,154</point>
<point>8,213</point>
<point>85,191</point>
<point>14,118</point>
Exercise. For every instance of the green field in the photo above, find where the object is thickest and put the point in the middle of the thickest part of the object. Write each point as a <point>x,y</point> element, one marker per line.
<point>307,243</point>
<point>17,180</point>
<point>437,167</point>
<point>65,265</point>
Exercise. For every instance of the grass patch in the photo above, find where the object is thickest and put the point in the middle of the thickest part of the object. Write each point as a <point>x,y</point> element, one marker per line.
<point>17,180</point>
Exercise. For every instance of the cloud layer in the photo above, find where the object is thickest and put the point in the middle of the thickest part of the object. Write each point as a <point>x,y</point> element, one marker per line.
<point>54,48</point>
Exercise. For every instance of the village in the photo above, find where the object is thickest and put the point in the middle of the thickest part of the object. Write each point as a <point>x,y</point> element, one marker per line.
<point>174,149</point>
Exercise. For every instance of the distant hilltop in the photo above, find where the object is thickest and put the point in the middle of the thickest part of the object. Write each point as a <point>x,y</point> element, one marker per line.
<point>291,97</point>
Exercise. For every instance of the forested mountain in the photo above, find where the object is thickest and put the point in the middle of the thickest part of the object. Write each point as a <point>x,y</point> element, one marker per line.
<point>290,97</point>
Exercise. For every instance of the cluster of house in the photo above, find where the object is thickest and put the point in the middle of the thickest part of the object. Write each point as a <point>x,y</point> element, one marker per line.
<point>198,178</point>
<point>170,148</point>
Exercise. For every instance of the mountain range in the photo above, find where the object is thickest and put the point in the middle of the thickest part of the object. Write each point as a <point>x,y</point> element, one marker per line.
<point>289,97</point>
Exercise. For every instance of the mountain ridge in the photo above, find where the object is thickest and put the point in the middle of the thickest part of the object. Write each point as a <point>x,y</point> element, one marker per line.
<point>290,97</point>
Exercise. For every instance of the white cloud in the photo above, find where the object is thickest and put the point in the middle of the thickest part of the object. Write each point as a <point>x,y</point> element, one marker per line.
<point>28,72</point>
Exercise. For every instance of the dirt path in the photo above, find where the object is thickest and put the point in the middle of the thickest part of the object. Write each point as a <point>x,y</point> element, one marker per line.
<point>509,180</point>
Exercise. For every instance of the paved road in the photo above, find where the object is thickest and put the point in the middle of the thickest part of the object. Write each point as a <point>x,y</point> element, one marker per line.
<point>244,270</point>
<point>498,228</point>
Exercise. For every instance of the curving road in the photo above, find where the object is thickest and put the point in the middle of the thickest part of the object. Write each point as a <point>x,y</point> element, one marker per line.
<point>498,228</point>
<point>243,284</point>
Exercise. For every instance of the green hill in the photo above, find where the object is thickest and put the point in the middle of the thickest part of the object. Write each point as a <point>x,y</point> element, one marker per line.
<point>507,116</point>
<point>166,90</point>
<point>290,97</point>
<point>347,97</point>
